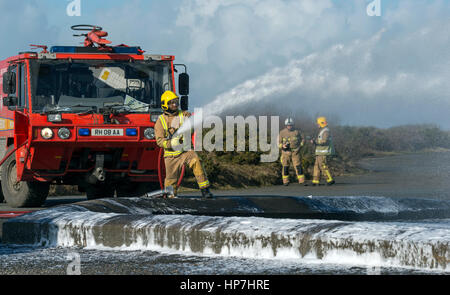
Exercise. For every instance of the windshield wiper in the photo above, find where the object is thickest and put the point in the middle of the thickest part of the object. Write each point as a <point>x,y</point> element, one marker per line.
<point>50,109</point>
<point>124,108</point>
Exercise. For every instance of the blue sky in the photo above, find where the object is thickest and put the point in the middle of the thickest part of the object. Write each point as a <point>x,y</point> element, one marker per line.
<point>314,56</point>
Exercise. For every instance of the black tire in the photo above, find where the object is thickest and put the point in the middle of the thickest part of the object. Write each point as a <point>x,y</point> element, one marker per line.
<point>2,198</point>
<point>23,193</point>
<point>99,191</point>
<point>135,189</point>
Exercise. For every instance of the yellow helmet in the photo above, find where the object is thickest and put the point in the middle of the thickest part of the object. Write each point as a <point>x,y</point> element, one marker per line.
<point>166,97</point>
<point>322,121</point>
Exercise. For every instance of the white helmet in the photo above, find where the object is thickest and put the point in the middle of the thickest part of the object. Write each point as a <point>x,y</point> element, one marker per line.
<point>289,122</point>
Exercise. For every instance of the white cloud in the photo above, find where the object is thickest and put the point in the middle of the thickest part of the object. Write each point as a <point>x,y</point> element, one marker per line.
<point>346,80</point>
<point>247,31</point>
<point>324,53</point>
<point>378,71</point>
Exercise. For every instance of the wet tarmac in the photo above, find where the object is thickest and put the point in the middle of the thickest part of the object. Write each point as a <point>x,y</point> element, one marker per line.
<point>422,175</point>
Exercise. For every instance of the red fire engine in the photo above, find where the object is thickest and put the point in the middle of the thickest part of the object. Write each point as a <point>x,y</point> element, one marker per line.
<point>83,116</point>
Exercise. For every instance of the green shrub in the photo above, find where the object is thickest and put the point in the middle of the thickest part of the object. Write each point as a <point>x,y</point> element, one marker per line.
<point>241,169</point>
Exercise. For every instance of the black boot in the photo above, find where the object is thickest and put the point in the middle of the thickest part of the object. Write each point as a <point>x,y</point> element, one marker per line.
<point>206,194</point>
<point>331,182</point>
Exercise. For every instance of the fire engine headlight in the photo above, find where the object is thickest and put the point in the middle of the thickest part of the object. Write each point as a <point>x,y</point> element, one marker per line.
<point>64,133</point>
<point>149,133</point>
<point>46,133</point>
<point>55,118</point>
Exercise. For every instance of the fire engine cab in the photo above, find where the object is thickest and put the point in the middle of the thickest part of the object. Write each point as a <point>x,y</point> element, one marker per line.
<point>83,116</point>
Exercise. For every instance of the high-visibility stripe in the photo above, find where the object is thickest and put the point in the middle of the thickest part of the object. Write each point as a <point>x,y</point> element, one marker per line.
<point>329,176</point>
<point>320,136</point>
<point>163,122</point>
<point>316,181</point>
<point>285,176</point>
<point>203,184</point>
<point>323,150</point>
<point>301,176</point>
<point>168,153</point>
<point>171,153</point>
<point>181,116</point>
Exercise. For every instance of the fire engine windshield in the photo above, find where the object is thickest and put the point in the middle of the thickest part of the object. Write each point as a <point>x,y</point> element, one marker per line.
<point>92,85</point>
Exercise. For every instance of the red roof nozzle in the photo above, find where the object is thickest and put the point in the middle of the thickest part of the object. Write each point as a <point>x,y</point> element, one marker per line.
<point>95,36</point>
<point>44,47</point>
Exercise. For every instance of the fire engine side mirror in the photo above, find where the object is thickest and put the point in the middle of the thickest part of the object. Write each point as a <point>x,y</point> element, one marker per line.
<point>9,83</point>
<point>183,84</point>
<point>10,101</point>
<point>184,103</point>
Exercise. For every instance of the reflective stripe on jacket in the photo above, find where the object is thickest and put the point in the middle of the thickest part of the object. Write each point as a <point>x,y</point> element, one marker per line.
<point>324,145</point>
<point>167,151</point>
<point>293,137</point>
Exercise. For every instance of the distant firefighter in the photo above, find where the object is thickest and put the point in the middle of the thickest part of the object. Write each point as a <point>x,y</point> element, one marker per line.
<point>174,156</point>
<point>290,141</point>
<point>324,148</point>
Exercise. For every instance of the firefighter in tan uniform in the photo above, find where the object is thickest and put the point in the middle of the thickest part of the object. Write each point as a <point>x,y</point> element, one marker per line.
<point>324,148</point>
<point>174,155</point>
<point>290,141</point>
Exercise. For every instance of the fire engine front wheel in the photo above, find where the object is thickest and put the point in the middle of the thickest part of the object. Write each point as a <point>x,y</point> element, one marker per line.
<point>21,193</point>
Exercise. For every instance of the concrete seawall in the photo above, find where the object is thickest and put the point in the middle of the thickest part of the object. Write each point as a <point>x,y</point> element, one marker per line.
<point>320,228</point>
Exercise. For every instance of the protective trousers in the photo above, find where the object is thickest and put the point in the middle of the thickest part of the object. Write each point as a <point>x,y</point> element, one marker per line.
<point>286,158</point>
<point>175,164</point>
<point>321,167</point>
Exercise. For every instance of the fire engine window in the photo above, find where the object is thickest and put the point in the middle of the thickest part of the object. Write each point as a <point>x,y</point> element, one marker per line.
<point>23,86</point>
<point>14,69</point>
<point>87,83</point>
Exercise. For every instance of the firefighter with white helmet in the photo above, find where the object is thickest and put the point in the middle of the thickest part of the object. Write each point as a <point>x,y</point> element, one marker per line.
<point>290,140</point>
<point>174,155</point>
<point>324,148</point>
